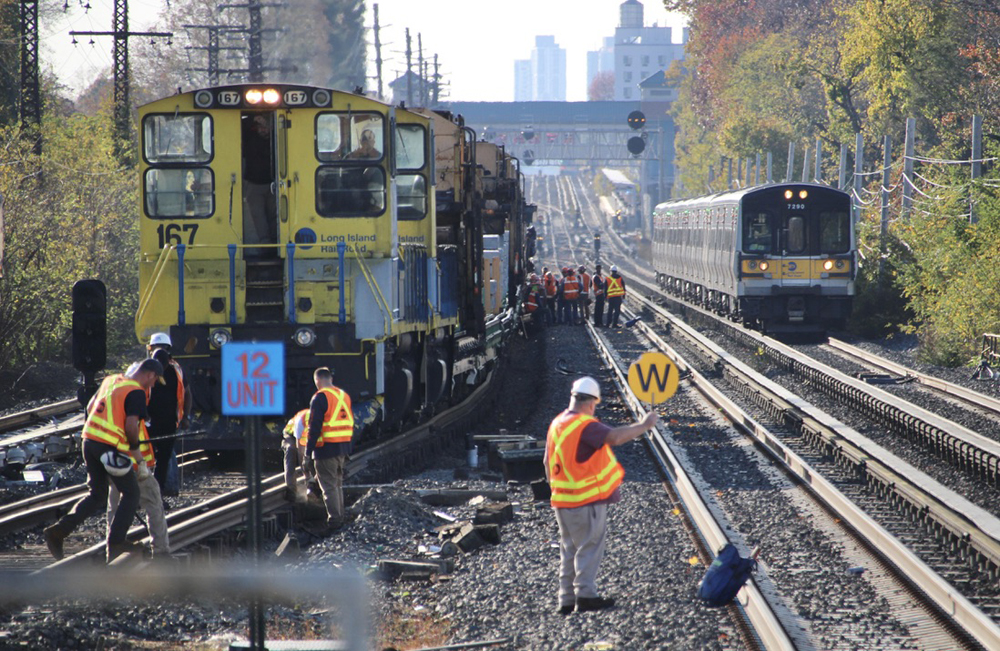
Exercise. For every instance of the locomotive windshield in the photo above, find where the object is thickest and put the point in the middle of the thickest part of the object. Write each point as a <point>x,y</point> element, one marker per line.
<point>834,232</point>
<point>411,189</point>
<point>178,148</point>
<point>756,232</point>
<point>350,184</point>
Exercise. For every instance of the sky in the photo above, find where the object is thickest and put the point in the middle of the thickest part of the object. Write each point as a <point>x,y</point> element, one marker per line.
<point>476,41</point>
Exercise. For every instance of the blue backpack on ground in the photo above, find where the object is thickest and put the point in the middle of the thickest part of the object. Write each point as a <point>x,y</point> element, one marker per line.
<point>725,576</point>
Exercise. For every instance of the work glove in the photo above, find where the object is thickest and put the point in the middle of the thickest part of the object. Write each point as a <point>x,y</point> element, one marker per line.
<point>142,471</point>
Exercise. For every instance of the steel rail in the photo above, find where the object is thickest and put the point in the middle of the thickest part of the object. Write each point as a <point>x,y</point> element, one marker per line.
<point>758,610</point>
<point>980,529</point>
<point>29,416</point>
<point>205,519</point>
<point>967,396</point>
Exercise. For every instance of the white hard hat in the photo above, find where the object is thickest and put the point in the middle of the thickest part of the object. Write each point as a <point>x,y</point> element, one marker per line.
<point>116,463</point>
<point>587,386</point>
<point>160,339</point>
<point>614,268</point>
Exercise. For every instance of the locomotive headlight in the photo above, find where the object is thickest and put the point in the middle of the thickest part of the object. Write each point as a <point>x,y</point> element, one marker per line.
<point>253,96</point>
<point>764,265</point>
<point>828,265</point>
<point>305,337</point>
<point>803,194</point>
<point>789,194</point>
<point>271,96</point>
<point>220,337</point>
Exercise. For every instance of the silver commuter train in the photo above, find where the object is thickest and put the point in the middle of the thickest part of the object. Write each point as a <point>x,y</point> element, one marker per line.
<point>778,257</point>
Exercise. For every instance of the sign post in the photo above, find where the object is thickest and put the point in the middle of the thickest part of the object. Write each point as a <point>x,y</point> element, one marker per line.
<point>253,385</point>
<point>653,378</point>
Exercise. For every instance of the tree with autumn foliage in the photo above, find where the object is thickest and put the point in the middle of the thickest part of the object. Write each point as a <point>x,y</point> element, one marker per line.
<point>602,87</point>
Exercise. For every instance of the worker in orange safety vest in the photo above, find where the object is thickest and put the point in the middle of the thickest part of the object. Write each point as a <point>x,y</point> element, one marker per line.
<point>571,296</point>
<point>585,290</point>
<point>584,476</point>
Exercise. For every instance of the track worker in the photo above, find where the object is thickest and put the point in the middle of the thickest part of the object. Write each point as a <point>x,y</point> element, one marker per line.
<point>169,408</point>
<point>331,426</point>
<point>150,499</point>
<point>584,475</point>
<point>571,296</point>
<point>586,285</point>
<point>600,283</point>
<point>293,447</point>
<point>615,291</point>
<point>110,436</point>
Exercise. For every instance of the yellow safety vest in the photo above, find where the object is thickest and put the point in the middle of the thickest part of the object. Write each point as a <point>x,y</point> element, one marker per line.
<point>106,421</point>
<point>145,447</point>
<point>338,422</point>
<point>577,484</point>
<point>290,427</point>
<point>615,287</point>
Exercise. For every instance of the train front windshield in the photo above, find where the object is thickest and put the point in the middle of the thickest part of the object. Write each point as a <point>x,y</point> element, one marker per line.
<point>804,221</point>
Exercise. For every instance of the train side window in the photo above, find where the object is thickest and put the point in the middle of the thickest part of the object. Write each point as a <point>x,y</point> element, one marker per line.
<point>180,138</point>
<point>410,139</point>
<point>756,233</point>
<point>179,192</point>
<point>411,190</point>
<point>349,137</point>
<point>795,240</point>
<point>350,191</point>
<point>834,232</point>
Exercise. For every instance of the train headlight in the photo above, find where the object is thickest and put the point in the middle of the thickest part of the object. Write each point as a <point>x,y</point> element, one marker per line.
<point>752,265</point>
<point>803,194</point>
<point>789,194</point>
<point>220,337</point>
<point>271,96</point>
<point>828,265</point>
<point>253,96</point>
<point>305,337</point>
<point>764,265</point>
<point>841,264</point>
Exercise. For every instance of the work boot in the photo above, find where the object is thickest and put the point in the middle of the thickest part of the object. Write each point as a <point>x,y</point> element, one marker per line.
<point>118,549</point>
<point>565,609</point>
<point>54,537</point>
<point>583,604</point>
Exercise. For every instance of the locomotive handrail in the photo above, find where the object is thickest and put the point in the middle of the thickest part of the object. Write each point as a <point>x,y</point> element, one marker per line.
<point>376,291</point>
<point>161,264</point>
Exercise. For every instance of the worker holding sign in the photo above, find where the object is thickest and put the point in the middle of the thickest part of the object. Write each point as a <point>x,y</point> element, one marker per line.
<point>584,475</point>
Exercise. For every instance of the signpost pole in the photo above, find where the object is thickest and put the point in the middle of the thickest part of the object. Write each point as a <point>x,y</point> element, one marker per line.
<point>254,529</point>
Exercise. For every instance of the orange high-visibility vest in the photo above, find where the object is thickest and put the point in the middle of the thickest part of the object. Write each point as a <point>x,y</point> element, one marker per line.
<point>106,421</point>
<point>615,287</point>
<point>180,390</point>
<point>585,282</point>
<point>571,288</point>
<point>550,285</point>
<point>577,484</point>
<point>145,447</point>
<point>531,304</point>
<point>290,427</point>
<point>598,285</point>
<point>338,422</point>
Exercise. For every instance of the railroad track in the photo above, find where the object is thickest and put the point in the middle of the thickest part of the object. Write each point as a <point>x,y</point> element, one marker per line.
<point>219,513</point>
<point>964,621</point>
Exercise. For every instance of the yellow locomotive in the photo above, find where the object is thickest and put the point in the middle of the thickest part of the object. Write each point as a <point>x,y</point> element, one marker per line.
<point>276,212</point>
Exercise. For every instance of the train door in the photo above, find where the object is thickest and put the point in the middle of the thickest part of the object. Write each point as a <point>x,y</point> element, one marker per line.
<point>260,215</point>
<point>793,243</point>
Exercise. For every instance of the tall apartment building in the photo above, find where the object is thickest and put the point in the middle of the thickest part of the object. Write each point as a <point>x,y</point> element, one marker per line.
<point>544,73</point>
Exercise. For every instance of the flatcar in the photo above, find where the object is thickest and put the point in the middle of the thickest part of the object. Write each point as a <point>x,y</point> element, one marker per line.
<point>276,212</point>
<point>778,257</point>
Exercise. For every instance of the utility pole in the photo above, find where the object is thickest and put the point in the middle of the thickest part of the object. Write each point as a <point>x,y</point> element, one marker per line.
<point>420,68</point>
<point>123,105</point>
<point>977,163</point>
<point>378,52</point>
<point>409,70</point>
<point>31,101</point>
<point>213,48</point>
<point>437,82</point>
<point>255,52</point>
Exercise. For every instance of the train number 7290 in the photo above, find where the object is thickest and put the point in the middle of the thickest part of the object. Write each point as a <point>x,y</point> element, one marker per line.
<point>170,234</point>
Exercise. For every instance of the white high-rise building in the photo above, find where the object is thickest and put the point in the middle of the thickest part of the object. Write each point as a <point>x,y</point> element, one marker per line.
<point>640,51</point>
<point>546,71</point>
<point>602,60</point>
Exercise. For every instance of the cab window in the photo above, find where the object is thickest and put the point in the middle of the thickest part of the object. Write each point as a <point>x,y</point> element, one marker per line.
<point>756,232</point>
<point>349,137</point>
<point>182,138</point>
<point>351,191</point>
<point>834,232</point>
<point>179,192</point>
<point>410,140</point>
<point>795,238</point>
<point>411,191</point>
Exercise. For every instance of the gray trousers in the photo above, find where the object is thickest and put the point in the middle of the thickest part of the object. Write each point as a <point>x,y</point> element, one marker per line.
<point>582,534</point>
<point>150,501</point>
<point>293,455</point>
<point>330,473</point>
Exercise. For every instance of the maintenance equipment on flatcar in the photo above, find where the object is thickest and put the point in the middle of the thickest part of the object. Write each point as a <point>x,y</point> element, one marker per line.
<point>779,257</point>
<point>276,212</point>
